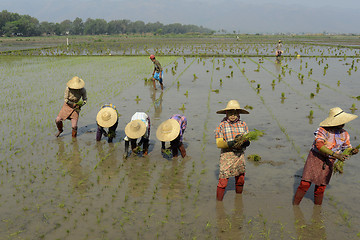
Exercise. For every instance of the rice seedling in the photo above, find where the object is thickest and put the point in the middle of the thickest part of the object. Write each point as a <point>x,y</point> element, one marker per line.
<point>283,96</point>
<point>353,108</point>
<point>254,158</point>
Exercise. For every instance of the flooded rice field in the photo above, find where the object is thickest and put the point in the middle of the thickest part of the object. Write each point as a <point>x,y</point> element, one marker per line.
<point>65,188</point>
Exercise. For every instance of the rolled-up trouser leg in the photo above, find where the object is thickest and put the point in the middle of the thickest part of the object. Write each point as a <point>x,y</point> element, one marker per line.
<point>300,192</point>
<point>319,194</point>
<point>74,132</point>
<point>239,183</point>
<point>220,191</point>
<point>145,142</point>
<point>182,150</point>
<point>98,133</point>
<point>112,132</point>
<point>133,144</point>
<point>59,125</point>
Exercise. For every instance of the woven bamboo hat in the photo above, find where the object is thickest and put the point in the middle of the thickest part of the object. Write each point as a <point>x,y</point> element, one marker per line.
<point>76,83</point>
<point>337,117</point>
<point>135,129</point>
<point>233,105</point>
<point>106,117</point>
<point>168,130</point>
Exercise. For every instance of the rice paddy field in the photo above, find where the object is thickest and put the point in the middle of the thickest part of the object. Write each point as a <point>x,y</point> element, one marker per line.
<point>65,188</point>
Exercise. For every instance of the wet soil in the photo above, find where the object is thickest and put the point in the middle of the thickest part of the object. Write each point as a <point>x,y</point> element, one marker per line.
<point>64,188</point>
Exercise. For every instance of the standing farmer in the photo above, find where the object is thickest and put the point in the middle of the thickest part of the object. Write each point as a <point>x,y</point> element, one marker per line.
<point>330,141</point>
<point>232,159</point>
<point>278,49</point>
<point>172,130</point>
<point>74,92</point>
<point>107,117</point>
<point>157,73</point>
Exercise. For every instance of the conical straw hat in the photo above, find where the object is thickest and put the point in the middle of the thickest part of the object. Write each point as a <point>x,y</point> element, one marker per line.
<point>337,117</point>
<point>233,105</point>
<point>168,130</point>
<point>76,83</point>
<point>135,129</point>
<point>106,117</point>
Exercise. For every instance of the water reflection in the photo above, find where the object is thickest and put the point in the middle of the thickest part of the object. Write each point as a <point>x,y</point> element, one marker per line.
<point>138,174</point>
<point>229,226</point>
<point>278,64</point>
<point>72,162</point>
<point>172,179</point>
<point>313,229</point>
<point>107,163</point>
<point>157,101</point>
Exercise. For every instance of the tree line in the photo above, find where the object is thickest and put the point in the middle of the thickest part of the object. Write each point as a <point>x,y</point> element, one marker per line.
<point>14,24</point>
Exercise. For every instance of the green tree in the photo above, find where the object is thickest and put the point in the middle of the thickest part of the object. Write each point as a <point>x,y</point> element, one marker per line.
<point>77,27</point>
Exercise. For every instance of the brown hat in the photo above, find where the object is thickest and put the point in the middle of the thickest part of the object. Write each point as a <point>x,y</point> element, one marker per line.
<point>135,129</point>
<point>233,105</point>
<point>337,117</point>
<point>107,117</point>
<point>76,83</point>
<point>168,130</point>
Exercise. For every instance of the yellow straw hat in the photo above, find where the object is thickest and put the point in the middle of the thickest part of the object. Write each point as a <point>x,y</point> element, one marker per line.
<point>76,83</point>
<point>168,130</point>
<point>107,117</point>
<point>233,105</point>
<point>337,117</point>
<point>135,129</point>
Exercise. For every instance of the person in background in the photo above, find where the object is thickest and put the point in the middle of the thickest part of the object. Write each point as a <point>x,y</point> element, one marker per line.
<point>232,159</point>
<point>172,130</point>
<point>157,73</point>
<point>330,141</point>
<point>74,98</point>
<point>107,117</point>
<point>278,49</point>
<point>138,127</point>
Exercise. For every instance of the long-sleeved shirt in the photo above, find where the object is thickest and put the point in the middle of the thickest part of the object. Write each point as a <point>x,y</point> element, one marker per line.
<point>229,130</point>
<point>183,124</point>
<point>72,96</point>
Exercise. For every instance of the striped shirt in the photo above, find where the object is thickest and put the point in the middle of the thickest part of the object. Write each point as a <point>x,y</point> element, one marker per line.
<point>229,130</point>
<point>183,123</point>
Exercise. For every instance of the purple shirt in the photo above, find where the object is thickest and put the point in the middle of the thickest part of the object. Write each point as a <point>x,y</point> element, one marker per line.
<point>183,123</point>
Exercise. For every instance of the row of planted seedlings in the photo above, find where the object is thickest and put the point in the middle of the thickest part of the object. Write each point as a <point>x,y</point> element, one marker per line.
<point>264,224</point>
<point>330,84</point>
<point>38,146</point>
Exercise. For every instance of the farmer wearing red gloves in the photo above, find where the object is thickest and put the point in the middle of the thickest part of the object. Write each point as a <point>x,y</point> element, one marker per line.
<point>330,141</point>
<point>157,73</point>
<point>232,160</point>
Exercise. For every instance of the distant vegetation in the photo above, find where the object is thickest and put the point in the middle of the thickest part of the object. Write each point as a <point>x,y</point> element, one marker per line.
<point>14,24</point>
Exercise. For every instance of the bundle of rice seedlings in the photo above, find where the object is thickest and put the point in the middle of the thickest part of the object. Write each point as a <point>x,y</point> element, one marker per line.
<point>250,136</point>
<point>339,165</point>
<point>166,151</point>
<point>80,102</point>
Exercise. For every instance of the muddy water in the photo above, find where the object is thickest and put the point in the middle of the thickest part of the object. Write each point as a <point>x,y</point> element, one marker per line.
<point>82,189</point>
